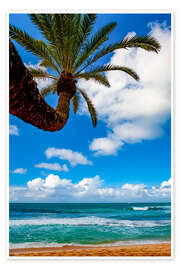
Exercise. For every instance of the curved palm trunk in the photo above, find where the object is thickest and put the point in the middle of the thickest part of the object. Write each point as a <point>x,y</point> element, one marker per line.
<point>26,102</point>
<point>63,106</point>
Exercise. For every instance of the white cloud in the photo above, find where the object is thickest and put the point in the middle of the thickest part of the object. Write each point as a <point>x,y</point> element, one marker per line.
<point>55,189</point>
<point>133,187</point>
<point>88,186</point>
<point>166,184</point>
<point>74,158</point>
<point>105,146</point>
<point>134,111</point>
<point>13,130</point>
<point>20,171</point>
<point>52,181</point>
<point>53,167</point>
<point>35,184</point>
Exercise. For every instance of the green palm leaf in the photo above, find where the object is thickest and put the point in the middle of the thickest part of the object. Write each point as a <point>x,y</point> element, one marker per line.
<point>91,107</point>
<point>75,102</point>
<point>37,47</point>
<point>50,88</point>
<point>97,76</point>
<point>85,27</point>
<point>82,30</point>
<point>147,43</point>
<point>44,23</point>
<point>91,45</point>
<point>61,24</point>
<point>39,73</point>
<point>45,64</point>
<point>110,67</point>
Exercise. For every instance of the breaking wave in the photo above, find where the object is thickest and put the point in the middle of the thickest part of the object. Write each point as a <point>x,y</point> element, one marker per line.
<point>85,221</point>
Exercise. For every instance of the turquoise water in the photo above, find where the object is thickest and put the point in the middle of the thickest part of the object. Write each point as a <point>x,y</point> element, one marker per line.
<point>48,224</point>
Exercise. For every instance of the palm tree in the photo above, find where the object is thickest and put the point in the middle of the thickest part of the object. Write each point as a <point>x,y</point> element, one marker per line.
<point>70,52</point>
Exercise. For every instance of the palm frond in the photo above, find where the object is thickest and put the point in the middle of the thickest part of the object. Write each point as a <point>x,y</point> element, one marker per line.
<point>55,54</point>
<point>82,29</point>
<point>47,90</point>
<point>37,47</point>
<point>97,76</point>
<point>99,54</point>
<point>74,44</point>
<point>68,29</point>
<point>44,23</point>
<point>85,27</point>
<point>91,107</point>
<point>54,89</point>
<point>47,26</point>
<point>147,43</point>
<point>110,67</point>
<point>45,63</point>
<point>40,73</point>
<point>61,37</point>
<point>96,41</point>
<point>75,102</point>
<point>65,29</point>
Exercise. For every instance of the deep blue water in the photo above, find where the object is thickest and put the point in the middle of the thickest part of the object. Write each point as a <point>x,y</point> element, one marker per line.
<point>53,224</point>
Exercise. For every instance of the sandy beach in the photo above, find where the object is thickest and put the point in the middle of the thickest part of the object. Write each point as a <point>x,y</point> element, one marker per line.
<point>154,250</point>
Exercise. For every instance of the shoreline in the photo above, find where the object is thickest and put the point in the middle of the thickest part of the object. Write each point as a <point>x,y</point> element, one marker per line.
<point>133,250</point>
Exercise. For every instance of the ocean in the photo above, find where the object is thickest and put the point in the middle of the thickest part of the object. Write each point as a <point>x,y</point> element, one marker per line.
<point>58,224</point>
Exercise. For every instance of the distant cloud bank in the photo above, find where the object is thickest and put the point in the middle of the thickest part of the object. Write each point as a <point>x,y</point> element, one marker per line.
<point>55,189</point>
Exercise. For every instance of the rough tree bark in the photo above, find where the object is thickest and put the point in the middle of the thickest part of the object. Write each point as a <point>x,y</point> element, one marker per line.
<point>26,102</point>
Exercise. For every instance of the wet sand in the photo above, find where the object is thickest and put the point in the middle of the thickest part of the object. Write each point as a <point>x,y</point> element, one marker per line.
<point>148,250</point>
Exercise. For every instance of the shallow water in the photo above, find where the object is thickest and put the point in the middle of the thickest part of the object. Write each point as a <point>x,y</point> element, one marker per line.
<point>50,224</point>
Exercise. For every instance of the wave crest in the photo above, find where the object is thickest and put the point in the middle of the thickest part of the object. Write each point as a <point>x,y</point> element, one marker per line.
<point>141,208</point>
<point>87,221</point>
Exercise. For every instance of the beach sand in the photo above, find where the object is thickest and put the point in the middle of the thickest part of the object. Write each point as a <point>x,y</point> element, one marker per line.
<point>154,250</point>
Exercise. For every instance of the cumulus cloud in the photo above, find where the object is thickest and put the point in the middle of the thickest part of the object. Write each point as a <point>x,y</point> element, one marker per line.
<point>134,111</point>
<point>73,157</point>
<point>166,184</point>
<point>13,130</point>
<point>55,189</point>
<point>105,146</point>
<point>133,187</point>
<point>20,171</point>
<point>53,167</point>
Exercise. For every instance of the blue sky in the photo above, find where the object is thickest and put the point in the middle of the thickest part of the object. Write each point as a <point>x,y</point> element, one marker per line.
<point>127,157</point>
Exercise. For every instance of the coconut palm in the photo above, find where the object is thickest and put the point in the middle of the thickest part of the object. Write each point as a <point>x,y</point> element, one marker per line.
<point>69,52</point>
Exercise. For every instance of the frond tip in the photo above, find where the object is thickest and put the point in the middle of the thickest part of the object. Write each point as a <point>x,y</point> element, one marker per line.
<point>147,43</point>
<point>40,73</point>
<point>91,108</point>
<point>75,102</point>
<point>110,67</point>
<point>48,89</point>
<point>99,77</point>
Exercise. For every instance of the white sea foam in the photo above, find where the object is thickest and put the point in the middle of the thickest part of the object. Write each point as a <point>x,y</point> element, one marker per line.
<point>35,245</point>
<point>85,221</point>
<point>141,208</point>
<point>53,244</point>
